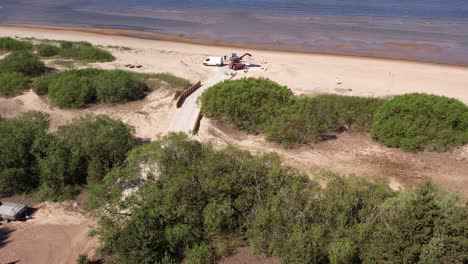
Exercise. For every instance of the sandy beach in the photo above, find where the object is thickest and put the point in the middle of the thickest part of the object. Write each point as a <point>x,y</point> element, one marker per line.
<point>302,72</point>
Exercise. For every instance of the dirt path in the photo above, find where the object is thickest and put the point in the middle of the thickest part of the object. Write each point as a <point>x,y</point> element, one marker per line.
<point>354,154</point>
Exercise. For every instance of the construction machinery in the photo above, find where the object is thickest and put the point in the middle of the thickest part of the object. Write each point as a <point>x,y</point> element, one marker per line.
<point>236,62</point>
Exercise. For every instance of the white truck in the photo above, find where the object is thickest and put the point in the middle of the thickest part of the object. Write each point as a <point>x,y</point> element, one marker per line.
<point>214,61</point>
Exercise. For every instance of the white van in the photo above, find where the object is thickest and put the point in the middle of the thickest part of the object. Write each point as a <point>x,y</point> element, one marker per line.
<point>214,61</point>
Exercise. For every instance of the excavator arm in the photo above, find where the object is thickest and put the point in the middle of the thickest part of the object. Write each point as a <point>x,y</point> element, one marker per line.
<point>247,54</point>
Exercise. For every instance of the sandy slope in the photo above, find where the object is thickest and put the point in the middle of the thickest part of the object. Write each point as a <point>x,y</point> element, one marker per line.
<point>304,73</point>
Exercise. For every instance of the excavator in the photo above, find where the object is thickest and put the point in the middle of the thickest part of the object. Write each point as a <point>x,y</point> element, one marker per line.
<point>236,62</point>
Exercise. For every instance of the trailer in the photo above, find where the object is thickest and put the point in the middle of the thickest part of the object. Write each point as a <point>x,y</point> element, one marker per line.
<point>214,61</point>
<point>12,211</point>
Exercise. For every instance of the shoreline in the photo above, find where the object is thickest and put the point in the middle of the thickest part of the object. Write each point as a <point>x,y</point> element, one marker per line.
<point>180,38</point>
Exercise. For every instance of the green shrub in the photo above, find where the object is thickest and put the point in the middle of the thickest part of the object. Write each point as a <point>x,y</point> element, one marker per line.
<point>69,90</point>
<point>338,112</point>
<point>10,44</point>
<point>82,153</point>
<point>176,199</point>
<point>12,84</point>
<point>19,141</point>
<point>296,124</point>
<point>248,103</point>
<point>417,122</point>
<point>47,50</point>
<point>40,84</point>
<point>22,62</point>
<point>259,105</point>
<point>84,51</point>
<point>118,86</point>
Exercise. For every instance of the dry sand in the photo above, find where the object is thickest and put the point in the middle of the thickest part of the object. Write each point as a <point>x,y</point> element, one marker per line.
<point>58,233</point>
<point>303,73</point>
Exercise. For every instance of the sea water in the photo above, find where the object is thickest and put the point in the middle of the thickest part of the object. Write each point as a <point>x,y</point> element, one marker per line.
<point>429,30</point>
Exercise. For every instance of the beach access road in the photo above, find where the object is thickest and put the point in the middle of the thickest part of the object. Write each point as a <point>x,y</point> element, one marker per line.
<point>186,116</point>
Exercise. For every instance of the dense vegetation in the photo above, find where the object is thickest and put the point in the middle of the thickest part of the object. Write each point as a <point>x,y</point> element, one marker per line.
<point>22,62</point>
<point>421,122</point>
<point>55,164</point>
<point>179,200</point>
<point>412,122</point>
<point>260,105</point>
<point>84,51</point>
<point>47,50</point>
<point>118,86</point>
<point>78,88</point>
<point>10,44</point>
<point>12,84</point>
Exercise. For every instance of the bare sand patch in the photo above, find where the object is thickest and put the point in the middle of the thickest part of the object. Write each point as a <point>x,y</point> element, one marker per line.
<point>58,233</point>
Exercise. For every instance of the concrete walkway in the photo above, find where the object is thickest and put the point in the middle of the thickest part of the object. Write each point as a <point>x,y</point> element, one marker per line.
<point>186,116</point>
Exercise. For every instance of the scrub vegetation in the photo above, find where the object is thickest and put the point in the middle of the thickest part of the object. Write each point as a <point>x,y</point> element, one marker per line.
<point>12,84</point>
<point>54,165</point>
<point>417,122</point>
<point>177,200</point>
<point>263,106</point>
<point>413,122</point>
<point>10,44</point>
<point>78,88</point>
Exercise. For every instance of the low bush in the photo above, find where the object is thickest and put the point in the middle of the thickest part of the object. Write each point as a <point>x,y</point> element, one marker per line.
<point>338,112</point>
<point>40,84</point>
<point>12,84</point>
<point>248,103</point>
<point>47,50</point>
<point>69,90</point>
<point>77,88</point>
<point>10,44</point>
<point>417,122</point>
<point>84,51</point>
<point>118,86</point>
<point>259,105</point>
<point>22,62</point>
<point>295,124</point>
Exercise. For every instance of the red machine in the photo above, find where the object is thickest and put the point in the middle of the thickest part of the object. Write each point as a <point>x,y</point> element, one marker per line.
<point>236,62</point>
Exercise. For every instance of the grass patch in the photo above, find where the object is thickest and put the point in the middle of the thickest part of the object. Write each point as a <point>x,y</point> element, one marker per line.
<point>13,84</point>
<point>168,78</point>
<point>84,51</point>
<point>47,50</point>
<point>10,44</point>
